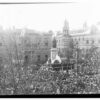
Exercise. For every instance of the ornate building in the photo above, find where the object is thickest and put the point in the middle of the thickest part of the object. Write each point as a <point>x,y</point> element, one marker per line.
<point>64,40</point>
<point>36,47</point>
<point>87,38</point>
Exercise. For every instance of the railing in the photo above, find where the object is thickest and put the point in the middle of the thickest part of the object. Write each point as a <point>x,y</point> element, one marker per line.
<point>58,67</point>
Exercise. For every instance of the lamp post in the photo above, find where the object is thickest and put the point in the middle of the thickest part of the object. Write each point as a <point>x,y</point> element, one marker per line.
<point>76,65</point>
<point>76,57</point>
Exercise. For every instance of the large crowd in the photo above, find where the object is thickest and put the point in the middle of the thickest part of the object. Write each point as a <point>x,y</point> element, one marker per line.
<point>83,78</point>
<point>47,81</point>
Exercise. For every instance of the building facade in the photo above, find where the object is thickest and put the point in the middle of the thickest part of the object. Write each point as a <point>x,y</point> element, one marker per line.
<point>37,46</point>
<point>64,40</point>
<point>85,38</point>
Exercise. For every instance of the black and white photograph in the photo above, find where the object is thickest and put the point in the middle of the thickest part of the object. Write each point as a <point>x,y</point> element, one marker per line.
<point>49,48</point>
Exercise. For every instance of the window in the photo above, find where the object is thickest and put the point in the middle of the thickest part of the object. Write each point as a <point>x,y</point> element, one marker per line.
<point>57,41</point>
<point>28,45</point>
<point>83,38</point>
<point>0,44</point>
<point>98,41</point>
<point>92,41</point>
<point>35,45</point>
<point>26,58</point>
<point>82,49</point>
<point>87,41</point>
<point>79,39</point>
<point>26,52</point>
<point>18,44</point>
<point>64,40</point>
<point>46,43</point>
<point>76,40</point>
<point>38,43</point>
<point>32,52</point>
<point>1,60</point>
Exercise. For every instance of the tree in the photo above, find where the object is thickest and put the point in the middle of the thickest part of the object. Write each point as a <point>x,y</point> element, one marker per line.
<point>11,71</point>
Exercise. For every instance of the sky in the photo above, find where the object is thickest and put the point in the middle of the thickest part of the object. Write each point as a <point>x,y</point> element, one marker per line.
<point>45,17</point>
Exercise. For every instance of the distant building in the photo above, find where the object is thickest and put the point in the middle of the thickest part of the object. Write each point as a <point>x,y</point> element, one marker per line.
<point>85,38</point>
<point>37,46</point>
<point>64,40</point>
